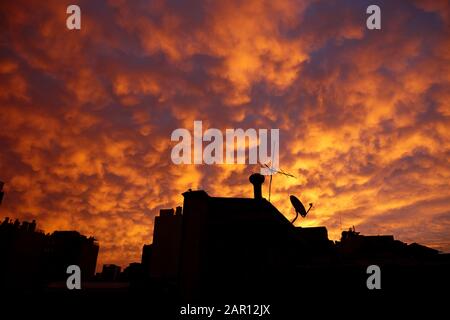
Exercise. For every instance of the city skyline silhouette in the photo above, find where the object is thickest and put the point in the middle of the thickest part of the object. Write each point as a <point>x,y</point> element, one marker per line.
<point>216,247</point>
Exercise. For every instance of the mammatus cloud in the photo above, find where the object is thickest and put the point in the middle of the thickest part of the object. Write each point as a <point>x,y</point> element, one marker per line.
<point>86,116</point>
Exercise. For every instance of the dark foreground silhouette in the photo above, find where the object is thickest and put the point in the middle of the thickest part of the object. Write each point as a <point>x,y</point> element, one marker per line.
<point>216,250</point>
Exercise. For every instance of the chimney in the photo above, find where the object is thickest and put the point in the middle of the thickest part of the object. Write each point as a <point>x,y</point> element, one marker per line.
<point>257,180</point>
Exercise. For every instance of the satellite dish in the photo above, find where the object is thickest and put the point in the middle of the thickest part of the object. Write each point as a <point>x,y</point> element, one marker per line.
<point>299,207</point>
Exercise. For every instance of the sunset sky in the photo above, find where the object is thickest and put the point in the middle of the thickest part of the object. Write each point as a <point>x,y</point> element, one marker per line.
<point>364,115</point>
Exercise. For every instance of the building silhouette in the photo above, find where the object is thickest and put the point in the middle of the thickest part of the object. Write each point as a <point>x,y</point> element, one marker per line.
<point>165,255</point>
<point>30,259</point>
<point>146,259</point>
<point>22,254</point>
<point>110,272</point>
<point>216,247</point>
<point>66,248</point>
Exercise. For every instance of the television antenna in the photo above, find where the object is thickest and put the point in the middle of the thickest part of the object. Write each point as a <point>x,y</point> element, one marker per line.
<point>274,170</point>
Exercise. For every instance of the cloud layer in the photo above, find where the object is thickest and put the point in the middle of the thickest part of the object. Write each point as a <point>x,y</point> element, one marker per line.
<point>86,116</point>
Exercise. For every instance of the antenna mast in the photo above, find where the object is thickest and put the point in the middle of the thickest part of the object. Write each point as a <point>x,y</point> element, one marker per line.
<point>274,170</point>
